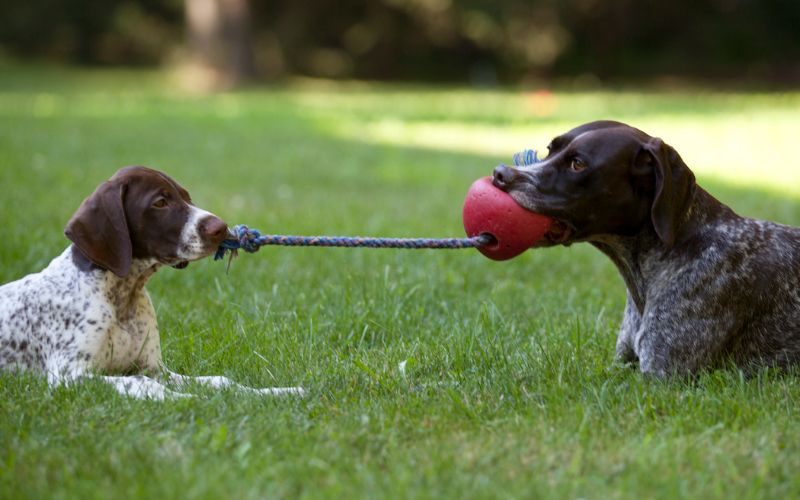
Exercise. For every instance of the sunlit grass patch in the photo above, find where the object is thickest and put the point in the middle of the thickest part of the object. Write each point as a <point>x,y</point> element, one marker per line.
<point>739,139</point>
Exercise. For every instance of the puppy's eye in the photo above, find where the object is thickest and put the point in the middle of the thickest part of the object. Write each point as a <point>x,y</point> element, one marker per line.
<point>577,165</point>
<point>159,203</point>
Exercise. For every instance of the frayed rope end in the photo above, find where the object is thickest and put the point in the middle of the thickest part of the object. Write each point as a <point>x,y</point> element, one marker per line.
<point>526,157</point>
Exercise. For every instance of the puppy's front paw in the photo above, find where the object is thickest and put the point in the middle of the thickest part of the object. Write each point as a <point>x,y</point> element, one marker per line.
<point>282,391</point>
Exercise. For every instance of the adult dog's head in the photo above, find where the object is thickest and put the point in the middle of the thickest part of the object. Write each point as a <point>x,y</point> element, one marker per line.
<point>603,178</point>
<point>141,213</point>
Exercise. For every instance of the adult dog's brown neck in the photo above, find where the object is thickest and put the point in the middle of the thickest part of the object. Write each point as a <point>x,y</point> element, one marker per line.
<point>636,256</point>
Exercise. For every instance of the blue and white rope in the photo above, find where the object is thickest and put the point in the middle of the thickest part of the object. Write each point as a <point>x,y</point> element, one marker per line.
<point>250,240</point>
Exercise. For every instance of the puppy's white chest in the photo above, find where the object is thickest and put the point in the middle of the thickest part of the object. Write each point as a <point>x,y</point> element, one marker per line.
<point>128,341</point>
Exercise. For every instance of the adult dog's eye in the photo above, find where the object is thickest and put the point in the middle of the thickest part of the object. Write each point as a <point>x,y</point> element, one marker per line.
<point>577,165</point>
<point>159,203</point>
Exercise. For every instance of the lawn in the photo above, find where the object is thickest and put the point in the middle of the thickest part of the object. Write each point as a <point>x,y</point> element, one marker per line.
<point>508,389</point>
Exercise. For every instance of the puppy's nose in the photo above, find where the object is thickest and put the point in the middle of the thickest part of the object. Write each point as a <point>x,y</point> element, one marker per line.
<point>214,229</point>
<point>504,176</point>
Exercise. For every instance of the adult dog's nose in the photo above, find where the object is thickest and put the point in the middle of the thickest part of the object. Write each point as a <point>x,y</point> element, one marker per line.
<point>504,176</point>
<point>213,229</point>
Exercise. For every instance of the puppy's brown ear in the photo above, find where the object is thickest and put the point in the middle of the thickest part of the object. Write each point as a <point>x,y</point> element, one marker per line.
<point>99,229</point>
<point>674,189</point>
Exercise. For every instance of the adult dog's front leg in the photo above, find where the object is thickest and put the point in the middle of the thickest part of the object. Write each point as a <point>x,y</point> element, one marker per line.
<point>681,341</point>
<point>220,382</point>
<point>631,322</point>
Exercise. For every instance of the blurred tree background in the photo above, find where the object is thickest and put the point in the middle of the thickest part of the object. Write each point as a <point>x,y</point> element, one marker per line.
<point>481,41</point>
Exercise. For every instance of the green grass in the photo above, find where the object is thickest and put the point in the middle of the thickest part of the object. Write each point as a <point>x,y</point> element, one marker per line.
<point>508,388</point>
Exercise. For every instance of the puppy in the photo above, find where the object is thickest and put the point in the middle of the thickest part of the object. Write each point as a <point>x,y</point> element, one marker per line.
<point>705,285</point>
<point>88,313</point>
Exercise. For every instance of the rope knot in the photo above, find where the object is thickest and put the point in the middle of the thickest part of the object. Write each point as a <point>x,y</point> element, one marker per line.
<point>239,237</point>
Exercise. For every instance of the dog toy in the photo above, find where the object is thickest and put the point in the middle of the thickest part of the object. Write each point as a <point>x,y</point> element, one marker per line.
<point>495,225</point>
<point>491,211</point>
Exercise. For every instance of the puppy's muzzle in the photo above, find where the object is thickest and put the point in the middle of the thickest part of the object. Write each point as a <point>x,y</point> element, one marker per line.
<point>213,230</point>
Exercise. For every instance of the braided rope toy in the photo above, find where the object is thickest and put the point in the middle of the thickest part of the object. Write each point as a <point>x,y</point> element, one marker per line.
<point>250,240</point>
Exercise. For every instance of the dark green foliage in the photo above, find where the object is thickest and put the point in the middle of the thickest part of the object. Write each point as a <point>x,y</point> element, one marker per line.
<point>480,41</point>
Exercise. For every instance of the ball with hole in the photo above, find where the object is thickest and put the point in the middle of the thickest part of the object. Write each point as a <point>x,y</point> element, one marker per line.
<point>488,209</point>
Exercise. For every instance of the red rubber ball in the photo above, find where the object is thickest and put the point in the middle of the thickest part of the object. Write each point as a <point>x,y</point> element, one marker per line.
<point>488,209</point>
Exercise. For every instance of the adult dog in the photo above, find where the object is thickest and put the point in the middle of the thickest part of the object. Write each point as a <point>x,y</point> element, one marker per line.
<point>705,285</point>
<point>88,313</point>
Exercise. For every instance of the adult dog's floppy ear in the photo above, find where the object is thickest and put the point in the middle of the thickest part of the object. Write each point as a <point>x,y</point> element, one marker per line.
<point>674,189</point>
<point>99,229</point>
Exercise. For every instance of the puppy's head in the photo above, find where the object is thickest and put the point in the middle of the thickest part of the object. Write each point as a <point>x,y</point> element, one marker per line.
<point>142,213</point>
<point>604,178</point>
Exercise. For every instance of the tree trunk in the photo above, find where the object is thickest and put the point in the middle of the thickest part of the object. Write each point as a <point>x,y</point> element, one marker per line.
<point>218,36</point>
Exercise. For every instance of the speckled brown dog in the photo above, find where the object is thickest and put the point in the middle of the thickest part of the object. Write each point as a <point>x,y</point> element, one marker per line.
<point>705,285</point>
<point>88,313</point>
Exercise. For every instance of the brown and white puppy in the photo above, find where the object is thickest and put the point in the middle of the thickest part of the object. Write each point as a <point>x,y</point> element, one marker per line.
<point>705,285</point>
<point>88,313</point>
